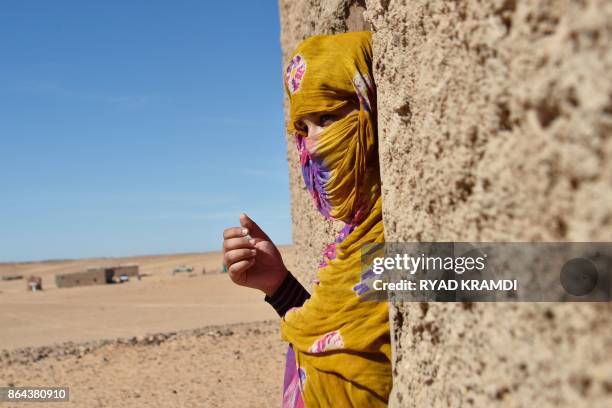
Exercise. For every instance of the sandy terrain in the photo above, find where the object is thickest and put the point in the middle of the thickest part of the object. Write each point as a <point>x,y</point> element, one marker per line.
<point>204,368</point>
<point>186,340</point>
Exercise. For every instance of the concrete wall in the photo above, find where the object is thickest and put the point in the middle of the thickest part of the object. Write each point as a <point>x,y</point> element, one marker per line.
<point>96,276</point>
<point>129,270</point>
<point>495,123</point>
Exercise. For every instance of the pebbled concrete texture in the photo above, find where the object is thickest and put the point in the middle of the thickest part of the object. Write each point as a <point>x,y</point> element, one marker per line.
<point>495,124</point>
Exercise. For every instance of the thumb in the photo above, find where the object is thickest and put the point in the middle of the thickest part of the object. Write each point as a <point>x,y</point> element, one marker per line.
<point>254,230</point>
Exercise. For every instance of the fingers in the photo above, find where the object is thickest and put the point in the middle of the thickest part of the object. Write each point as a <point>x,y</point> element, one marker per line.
<point>236,255</point>
<point>238,243</point>
<point>238,270</point>
<point>235,232</point>
<point>239,250</point>
<point>253,228</point>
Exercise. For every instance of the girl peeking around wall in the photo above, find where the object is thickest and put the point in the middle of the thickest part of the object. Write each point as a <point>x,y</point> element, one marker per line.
<point>339,345</point>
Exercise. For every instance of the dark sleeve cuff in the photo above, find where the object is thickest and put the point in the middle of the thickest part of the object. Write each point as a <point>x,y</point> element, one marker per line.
<point>289,294</point>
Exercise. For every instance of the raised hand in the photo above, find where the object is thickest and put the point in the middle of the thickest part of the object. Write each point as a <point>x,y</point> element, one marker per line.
<point>252,258</point>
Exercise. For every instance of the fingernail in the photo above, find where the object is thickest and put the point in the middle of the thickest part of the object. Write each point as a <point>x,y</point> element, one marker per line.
<point>252,241</point>
<point>245,231</point>
<point>253,252</point>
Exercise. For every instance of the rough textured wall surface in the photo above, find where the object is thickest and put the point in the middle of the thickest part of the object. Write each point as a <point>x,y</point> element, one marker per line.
<point>495,124</point>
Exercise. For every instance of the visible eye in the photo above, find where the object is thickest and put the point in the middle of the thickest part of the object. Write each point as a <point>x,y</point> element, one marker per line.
<point>301,127</point>
<point>327,119</point>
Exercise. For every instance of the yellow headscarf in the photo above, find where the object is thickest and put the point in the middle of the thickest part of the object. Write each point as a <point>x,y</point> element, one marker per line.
<point>341,342</point>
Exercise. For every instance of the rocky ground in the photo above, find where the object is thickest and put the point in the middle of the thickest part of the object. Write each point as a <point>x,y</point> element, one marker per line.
<point>185,340</point>
<point>215,366</point>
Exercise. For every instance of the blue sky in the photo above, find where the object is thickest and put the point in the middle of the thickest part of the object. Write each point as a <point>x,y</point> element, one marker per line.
<point>138,127</point>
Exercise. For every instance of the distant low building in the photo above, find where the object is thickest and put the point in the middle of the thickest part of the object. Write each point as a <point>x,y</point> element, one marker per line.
<point>97,276</point>
<point>12,277</point>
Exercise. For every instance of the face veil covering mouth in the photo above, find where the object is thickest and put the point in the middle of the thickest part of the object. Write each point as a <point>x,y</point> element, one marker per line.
<point>340,349</point>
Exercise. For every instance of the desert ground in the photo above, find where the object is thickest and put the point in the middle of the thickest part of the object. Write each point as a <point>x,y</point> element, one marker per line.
<point>187,340</point>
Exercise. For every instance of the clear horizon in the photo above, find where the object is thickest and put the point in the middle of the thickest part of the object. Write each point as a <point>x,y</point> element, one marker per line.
<point>138,128</point>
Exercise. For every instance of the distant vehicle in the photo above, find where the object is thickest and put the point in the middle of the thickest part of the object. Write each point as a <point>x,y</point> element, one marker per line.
<point>124,278</point>
<point>182,269</point>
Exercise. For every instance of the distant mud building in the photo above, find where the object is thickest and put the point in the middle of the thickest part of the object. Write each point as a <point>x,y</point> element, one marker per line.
<point>97,276</point>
